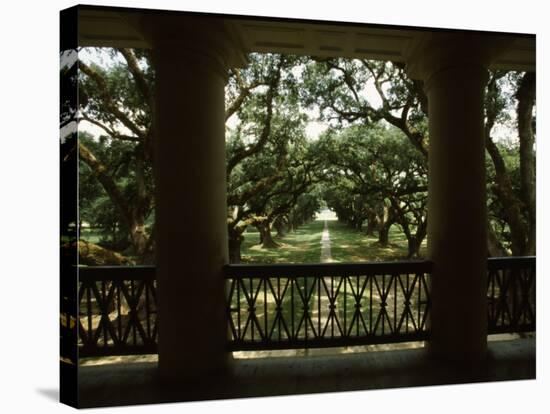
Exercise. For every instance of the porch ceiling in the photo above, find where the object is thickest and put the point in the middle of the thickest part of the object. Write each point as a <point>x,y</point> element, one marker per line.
<point>113,27</point>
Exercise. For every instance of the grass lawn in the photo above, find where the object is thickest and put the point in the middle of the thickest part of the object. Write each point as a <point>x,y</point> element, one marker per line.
<point>347,245</point>
<point>350,245</point>
<point>304,246</point>
<point>300,246</point>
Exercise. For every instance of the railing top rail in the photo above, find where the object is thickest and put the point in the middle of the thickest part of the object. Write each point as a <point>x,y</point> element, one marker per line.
<point>512,262</point>
<point>147,272</point>
<point>114,273</point>
<point>327,269</point>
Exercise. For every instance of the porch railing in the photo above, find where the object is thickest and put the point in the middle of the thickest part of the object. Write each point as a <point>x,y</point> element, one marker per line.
<point>511,294</point>
<point>118,313</point>
<point>298,306</point>
<point>322,305</point>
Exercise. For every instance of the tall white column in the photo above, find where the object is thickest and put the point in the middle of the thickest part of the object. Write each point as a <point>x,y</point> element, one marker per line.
<point>191,213</point>
<point>453,68</point>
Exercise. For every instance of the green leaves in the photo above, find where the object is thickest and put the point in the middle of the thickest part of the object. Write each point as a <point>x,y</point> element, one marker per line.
<point>116,97</point>
<point>269,162</point>
<point>374,173</point>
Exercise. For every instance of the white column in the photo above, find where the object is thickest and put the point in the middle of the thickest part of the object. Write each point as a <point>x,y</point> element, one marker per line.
<point>453,68</point>
<point>191,212</point>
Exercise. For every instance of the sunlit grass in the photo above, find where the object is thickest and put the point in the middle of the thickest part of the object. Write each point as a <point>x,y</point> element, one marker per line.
<point>347,245</point>
<point>350,245</point>
<point>300,246</point>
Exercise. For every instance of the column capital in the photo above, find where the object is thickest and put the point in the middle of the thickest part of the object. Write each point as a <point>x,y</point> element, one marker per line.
<point>437,51</point>
<point>194,37</point>
<point>465,75</point>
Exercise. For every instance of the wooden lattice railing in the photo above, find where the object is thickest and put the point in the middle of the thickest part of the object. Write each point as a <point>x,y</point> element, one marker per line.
<point>298,306</point>
<point>118,313</point>
<point>511,294</point>
<point>321,305</point>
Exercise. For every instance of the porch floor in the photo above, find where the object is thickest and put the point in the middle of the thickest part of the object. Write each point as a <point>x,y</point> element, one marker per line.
<point>139,383</point>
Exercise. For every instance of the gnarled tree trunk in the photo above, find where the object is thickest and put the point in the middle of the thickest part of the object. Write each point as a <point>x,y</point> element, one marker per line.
<point>415,241</point>
<point>372,223</point>
<point>384,233</point>
<point>235,241</point>
<point>521,232</point>
<point>267,241</point>
<point>385,221</point>
<point>235,249</point>
<point>280,224</point>
<point>133,214</point>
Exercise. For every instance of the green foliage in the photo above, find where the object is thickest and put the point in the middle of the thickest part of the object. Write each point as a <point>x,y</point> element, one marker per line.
<point>370,166</point>
<point>270,162</point>
<point>510,211</point>
<point>116,173</point>
<point>496,210</point>
<point>364,92</point>
<point>120,87</point>
<point>370,171</point>
<point>96,207</point>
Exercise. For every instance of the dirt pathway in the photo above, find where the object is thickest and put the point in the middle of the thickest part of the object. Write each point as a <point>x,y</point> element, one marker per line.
<point>326,255</point>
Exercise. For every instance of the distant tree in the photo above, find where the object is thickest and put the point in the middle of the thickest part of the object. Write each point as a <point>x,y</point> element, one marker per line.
<point>373,171</point>
<point>338,87</point>
<point>377,176</point>
<point>119,100</point>
<point>298,177</point>
<point>96,204</point>
<point>303,211</point>
<point>511,172</point>
<point>267,165</point>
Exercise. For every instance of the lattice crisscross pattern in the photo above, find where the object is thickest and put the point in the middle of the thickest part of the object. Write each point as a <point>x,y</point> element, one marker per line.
<point>511,295</point>
<point>298,306</point>
<point>117,311</point>
<point>276,307</point>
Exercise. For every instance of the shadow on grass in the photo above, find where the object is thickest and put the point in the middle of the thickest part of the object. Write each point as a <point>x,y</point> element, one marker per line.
<point>300,246</point>
<point>347,245</point>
